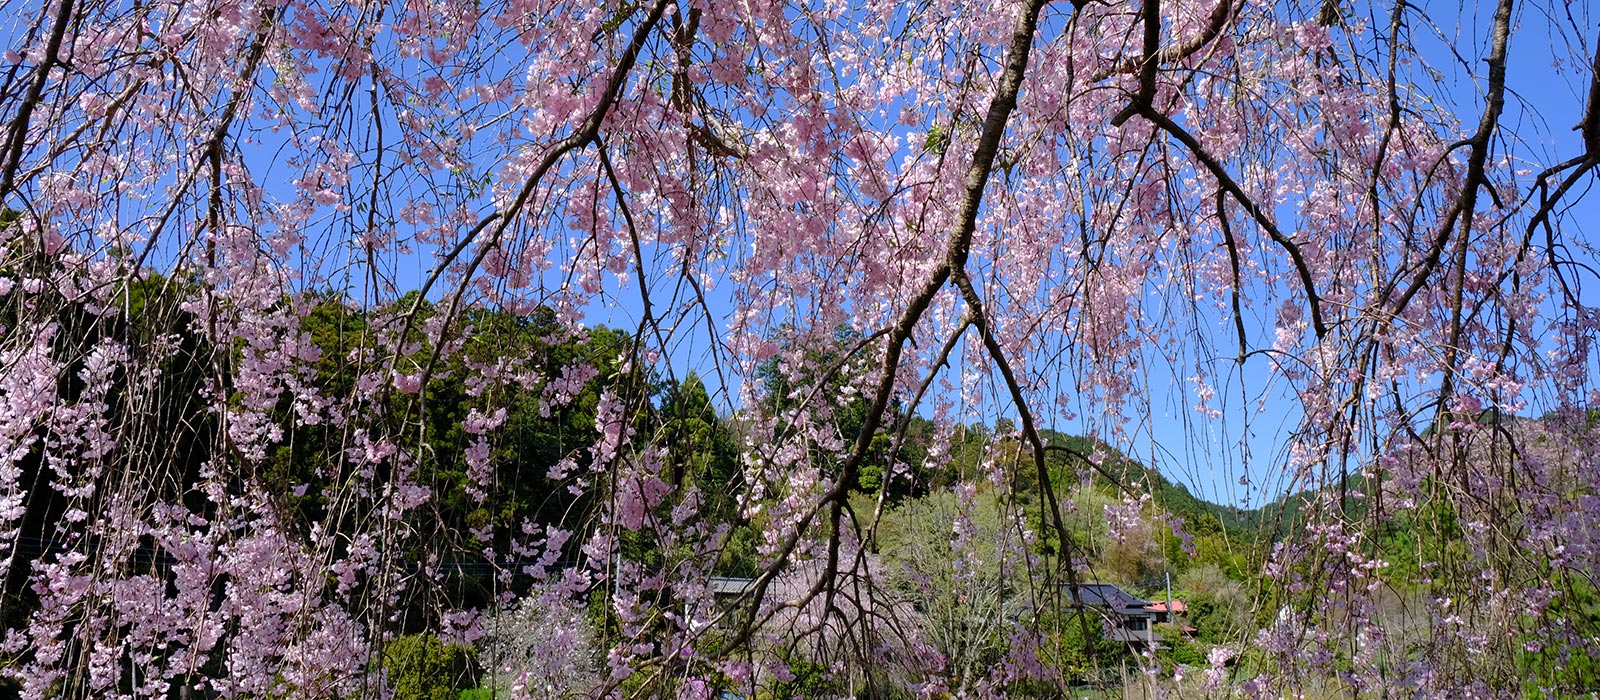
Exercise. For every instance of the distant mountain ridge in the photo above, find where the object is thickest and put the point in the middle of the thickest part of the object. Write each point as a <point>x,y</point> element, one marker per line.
<point>1117,471</point>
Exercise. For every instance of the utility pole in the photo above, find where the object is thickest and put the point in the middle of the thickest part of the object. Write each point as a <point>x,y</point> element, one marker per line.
<point>1169,598</point>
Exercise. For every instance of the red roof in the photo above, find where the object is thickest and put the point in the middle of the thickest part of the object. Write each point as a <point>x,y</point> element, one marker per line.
<point>1177,607</point>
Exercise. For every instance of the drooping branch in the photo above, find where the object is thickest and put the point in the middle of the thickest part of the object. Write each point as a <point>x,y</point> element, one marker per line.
<point>1468,204</point>
<point>1226,181</point>
<point>1233,265</point>
<point>1465,205</point>
<point>905,422</point>
<point>17,133</point>
<point>586,133</point>
<point>958,248</point>
<point>1215,23</point>
<point>1579,166</point>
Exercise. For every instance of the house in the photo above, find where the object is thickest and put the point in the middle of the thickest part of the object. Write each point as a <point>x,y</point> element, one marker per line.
<point>1125,616</point>
<point>1174,616</point>
<point>728,593</point>
<point>730,587</point>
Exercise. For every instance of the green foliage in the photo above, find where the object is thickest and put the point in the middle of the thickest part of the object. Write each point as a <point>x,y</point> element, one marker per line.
<point>742,555</point>
<point>1117,472</point>
<point>1076,645</point>
<point>1429,532</point>
<point>811,681</point>
<point>536,435</point>
<point>965,617</point>
<point>702,449</point>
<point>10,687</point>
<point>935,141</point>
<point>421,667</point>
<point>1219,606</point>
<point>849,417</point>
<point>1211,618</point>
<point>1180,648</point>
<point>1282,518</point>
<point>1550,673</point>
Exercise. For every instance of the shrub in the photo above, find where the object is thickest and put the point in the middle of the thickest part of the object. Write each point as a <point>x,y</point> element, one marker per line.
<point>543,646</point>
<point>421,667</point>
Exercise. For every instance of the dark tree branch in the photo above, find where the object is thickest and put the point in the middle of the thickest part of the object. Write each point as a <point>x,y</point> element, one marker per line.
<point>1149,63</point>
<point>1226,181</point>
<point>17,135</point>
<point>957,251</point>
<point>1233,263</point>
<point>1220,15</point>
<point>905,423</point>
<point>586,134</point>
<point>1461,212</point>
<point>1590,126</point>
<point>1476,175</point>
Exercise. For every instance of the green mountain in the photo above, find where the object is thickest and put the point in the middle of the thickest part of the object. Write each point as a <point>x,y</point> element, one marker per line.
<point>1117,472</point>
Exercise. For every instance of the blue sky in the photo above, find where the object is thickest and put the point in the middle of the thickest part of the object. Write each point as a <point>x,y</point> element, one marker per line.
<point>1208,456</point>
<point>1251,439</point>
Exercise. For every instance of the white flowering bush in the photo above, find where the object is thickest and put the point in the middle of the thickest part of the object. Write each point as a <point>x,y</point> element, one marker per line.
<point>541,646</point>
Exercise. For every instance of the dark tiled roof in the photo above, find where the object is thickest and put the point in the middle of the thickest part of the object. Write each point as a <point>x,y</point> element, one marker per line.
<point>728,585</point>
<point>1110,597</point>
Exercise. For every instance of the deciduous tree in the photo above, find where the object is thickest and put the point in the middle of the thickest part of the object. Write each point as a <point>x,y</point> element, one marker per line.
<point>1032,210</point>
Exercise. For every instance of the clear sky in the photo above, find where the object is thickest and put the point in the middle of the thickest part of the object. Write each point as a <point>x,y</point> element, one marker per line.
<point>1213,456</point>
<point>1249,438</point>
